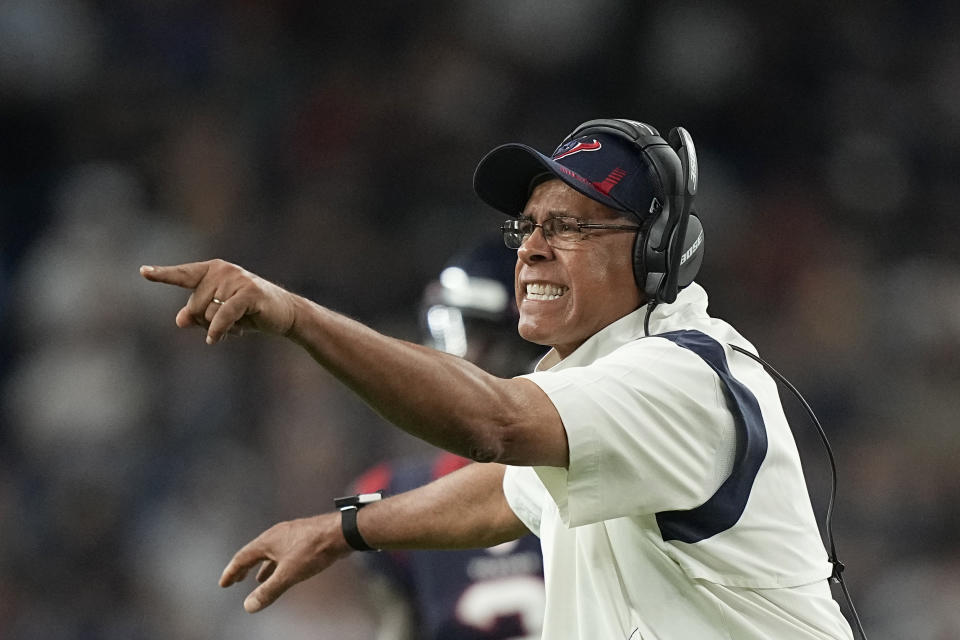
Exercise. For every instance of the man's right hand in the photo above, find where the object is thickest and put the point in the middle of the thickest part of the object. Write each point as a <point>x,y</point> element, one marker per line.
<point>226,298</point>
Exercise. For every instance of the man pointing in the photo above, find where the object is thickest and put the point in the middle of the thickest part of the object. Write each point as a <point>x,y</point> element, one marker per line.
<point>654,462</point>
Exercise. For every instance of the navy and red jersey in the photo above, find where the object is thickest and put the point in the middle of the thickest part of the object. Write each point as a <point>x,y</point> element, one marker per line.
<point>474,594</point>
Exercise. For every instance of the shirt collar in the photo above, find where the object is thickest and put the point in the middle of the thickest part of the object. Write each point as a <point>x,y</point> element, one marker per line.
<point>690,303</point>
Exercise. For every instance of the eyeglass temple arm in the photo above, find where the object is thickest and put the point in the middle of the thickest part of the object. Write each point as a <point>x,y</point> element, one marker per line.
<point>595,225</point>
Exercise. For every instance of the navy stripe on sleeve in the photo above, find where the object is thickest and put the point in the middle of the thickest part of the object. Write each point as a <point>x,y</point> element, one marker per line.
<point>722,510</point>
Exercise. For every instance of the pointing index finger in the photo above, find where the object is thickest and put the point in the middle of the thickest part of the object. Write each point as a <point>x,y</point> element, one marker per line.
<point>186,275</point>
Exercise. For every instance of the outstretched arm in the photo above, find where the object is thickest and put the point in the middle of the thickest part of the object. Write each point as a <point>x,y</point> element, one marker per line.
<point>434,396</point>
<point>464,509</point>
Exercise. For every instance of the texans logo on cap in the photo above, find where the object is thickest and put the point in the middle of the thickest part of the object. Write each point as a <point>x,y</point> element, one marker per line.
<point>615,176</point>
<point>573,147</point>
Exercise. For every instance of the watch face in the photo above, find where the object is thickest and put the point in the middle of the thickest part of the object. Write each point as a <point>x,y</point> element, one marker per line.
<point>358,500</point>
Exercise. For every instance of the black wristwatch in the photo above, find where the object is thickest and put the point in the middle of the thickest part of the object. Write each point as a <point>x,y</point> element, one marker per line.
<point>348,506</point>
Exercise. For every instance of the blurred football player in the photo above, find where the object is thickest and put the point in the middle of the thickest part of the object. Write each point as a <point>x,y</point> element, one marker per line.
<point>470,594</point>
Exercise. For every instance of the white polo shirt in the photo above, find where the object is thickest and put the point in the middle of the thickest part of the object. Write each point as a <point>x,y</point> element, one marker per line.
<point>684,513</point>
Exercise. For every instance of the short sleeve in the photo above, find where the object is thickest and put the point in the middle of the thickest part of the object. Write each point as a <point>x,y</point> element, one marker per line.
<point>526,495</point>
<point>648,429</point>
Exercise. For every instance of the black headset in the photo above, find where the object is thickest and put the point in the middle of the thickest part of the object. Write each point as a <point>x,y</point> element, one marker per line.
<point>668,251</point>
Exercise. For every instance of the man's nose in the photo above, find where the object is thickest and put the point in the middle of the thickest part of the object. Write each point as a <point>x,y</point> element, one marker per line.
<point>535,247</point>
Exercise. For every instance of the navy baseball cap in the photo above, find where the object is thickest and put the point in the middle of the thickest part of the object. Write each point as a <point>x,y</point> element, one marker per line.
<point>602,166</point>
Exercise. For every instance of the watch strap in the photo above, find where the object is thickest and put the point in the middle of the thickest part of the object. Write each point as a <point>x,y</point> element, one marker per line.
<point>348,524</point>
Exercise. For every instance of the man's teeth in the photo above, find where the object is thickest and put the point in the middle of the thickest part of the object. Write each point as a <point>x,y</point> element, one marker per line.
<point>543,291</point>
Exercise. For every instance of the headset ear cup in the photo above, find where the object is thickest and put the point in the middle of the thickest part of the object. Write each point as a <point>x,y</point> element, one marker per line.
<point>692,256</point>
<point>639,261</point>
<point>649,265</point>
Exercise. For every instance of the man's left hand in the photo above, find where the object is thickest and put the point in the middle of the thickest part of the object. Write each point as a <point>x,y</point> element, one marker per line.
<point>290,552</point>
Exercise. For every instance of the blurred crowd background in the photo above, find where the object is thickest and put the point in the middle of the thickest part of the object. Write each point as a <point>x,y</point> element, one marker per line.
<point>330,147</point>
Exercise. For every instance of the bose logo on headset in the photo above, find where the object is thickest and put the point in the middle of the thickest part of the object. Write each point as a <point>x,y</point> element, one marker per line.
<point>696,245</point>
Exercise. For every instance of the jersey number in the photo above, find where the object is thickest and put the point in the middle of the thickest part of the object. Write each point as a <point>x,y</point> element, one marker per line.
<point>483,603</point>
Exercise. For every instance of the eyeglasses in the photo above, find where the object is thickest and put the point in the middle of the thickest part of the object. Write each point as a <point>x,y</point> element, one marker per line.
<point>557,231</point>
